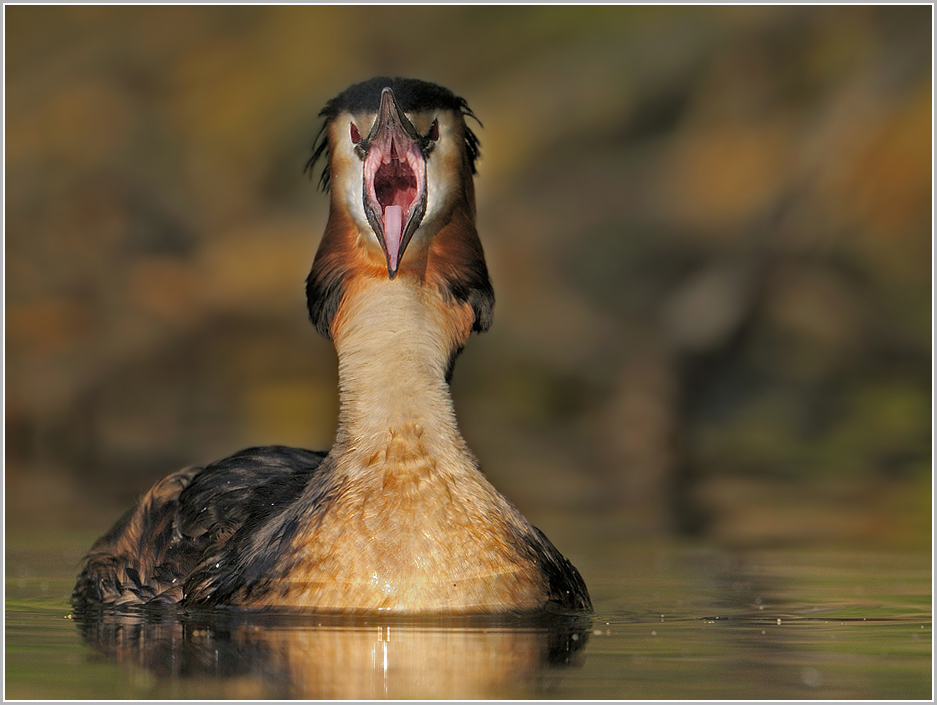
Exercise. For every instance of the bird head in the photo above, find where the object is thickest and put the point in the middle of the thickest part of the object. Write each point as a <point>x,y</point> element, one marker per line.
<point>399,163</point>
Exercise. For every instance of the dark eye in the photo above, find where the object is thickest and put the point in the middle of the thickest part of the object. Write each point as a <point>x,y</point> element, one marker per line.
<point>355,135</point>
<point>433,131</point>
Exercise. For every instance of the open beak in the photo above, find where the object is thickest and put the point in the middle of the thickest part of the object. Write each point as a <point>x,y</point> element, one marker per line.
<point>394,180</point>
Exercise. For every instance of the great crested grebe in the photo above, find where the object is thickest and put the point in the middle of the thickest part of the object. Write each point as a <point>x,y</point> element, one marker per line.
<point>397,516</point>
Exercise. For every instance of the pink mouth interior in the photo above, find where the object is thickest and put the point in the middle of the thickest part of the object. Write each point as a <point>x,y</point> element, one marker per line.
<point>394,217</point>
<point>395,187</point>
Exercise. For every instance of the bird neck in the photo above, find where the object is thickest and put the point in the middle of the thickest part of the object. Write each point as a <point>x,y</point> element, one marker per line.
<point>395,341</point>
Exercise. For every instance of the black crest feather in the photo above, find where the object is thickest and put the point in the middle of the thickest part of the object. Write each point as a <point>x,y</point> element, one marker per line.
<point>412,95</point>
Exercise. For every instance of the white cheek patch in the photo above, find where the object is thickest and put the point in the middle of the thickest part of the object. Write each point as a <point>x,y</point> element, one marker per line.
<point>403,172</point>
<point>445,160</point>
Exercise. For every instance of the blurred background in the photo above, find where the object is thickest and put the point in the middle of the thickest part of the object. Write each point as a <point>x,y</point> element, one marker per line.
<point>709,231</point>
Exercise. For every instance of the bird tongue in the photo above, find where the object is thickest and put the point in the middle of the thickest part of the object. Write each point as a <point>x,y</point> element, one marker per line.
<point>393,232</point>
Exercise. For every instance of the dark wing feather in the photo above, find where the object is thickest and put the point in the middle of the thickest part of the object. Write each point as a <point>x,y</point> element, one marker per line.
<point>151,551</point>
<point>260,553</point>
<point>567,589</point>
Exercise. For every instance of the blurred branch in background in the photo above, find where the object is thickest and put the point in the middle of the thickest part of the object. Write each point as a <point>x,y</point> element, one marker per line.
<point>709,231</point>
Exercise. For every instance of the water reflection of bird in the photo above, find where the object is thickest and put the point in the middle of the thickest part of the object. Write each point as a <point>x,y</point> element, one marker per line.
<point>240,654</point>
<point>397,516</point>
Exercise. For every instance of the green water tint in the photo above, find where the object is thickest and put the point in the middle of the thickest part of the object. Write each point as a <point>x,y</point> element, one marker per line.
<point>671,622</point>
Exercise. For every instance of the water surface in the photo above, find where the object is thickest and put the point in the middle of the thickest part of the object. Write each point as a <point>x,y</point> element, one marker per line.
<point>672,620</point>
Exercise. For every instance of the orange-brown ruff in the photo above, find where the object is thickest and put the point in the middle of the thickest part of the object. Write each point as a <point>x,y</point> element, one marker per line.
<point>397,516</point>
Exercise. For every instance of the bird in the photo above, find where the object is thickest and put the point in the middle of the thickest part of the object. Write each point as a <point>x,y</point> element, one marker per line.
<point>397,517</point>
